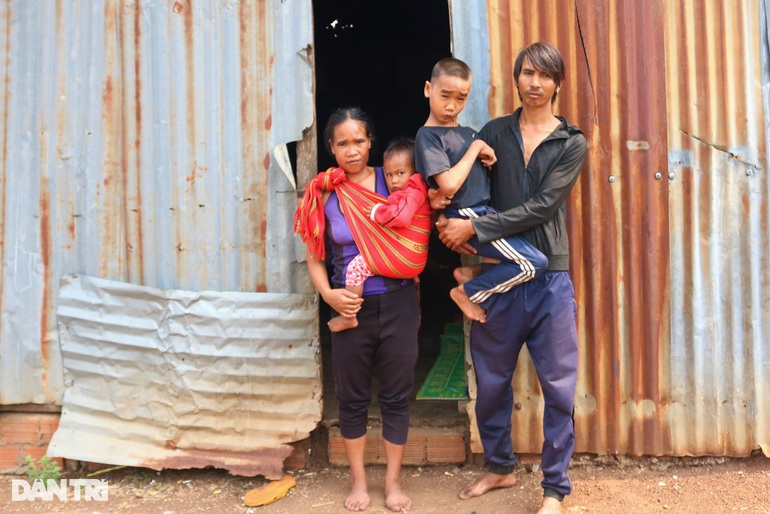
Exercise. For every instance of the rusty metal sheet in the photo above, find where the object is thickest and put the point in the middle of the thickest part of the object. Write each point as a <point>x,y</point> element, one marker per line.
<point>655,321</point>
<point>183,379</point>
<point>617,213</point>
<point>139,146</point>
<point>718,185</point>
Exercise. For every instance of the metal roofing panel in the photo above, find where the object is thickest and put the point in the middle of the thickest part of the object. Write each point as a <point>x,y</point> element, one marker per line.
<point>655,323</point>
<point>470,43</point>
<point>182,379</point>
<point>623,312</point>
<point>720,322</point>
<point>138,146</point>
<point>294,109</point>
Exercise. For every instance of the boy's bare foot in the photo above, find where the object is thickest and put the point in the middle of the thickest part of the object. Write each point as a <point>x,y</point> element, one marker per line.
<point>488,482</point>
<point>357,499</point>
<point>395,498</point>
<point>466,273</point>
<point>340,323</point>
<point>550,506</point>
<point>473,311</point>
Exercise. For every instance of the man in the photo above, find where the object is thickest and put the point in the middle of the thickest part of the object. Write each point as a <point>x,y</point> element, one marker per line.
<point>539,157</point>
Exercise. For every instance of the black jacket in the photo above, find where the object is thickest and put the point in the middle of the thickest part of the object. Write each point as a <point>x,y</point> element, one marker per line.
<point>531,199</point>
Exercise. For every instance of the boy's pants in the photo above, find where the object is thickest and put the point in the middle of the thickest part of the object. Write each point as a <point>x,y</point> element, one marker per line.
<point>519,260</point>
<point>542,314</point>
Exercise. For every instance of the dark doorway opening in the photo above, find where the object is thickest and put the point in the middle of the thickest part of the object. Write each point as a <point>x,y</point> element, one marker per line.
<point>377,55</point>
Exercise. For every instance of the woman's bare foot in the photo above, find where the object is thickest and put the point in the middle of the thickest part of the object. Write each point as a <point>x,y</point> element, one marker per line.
<point>357,499</point>
<point>488,482</point>
<point>550,506</point>
<point>395,498</point>
<point>466,273</point>
<point>340,323</point>
<point>473,311</point>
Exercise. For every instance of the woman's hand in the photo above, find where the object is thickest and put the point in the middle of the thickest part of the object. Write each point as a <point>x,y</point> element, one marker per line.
<point>438,202</point>
<point>454,233</point>
<point>345,302</point>
<point>341,300</point>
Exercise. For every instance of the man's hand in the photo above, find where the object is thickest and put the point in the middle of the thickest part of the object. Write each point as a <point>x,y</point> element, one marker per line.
<point>454,233</point>
<point>438,202</point>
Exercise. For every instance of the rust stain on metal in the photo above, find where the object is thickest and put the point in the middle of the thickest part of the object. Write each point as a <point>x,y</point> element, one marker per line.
<point>45,245</point>
<point>256,122</point>
<point>132,159</point>
<point>71,226</point>
<point>6,100</point>
<point>245,57</point>
<point>617,230</point>
<point>267,461</point>
<point>47,319</point>
<point>107,93</point>
<point>111,255</point>
<point>189,44</point>
<point>188,36</point>
<point>190,179</point>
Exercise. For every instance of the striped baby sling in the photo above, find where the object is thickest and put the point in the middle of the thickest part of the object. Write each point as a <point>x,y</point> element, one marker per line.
<point>399,252</point>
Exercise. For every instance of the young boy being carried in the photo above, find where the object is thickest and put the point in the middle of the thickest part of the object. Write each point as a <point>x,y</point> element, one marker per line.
<point>408,198</point>
<point>452,159</point>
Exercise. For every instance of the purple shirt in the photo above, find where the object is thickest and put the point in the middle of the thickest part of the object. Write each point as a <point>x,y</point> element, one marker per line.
<point>343,247</point>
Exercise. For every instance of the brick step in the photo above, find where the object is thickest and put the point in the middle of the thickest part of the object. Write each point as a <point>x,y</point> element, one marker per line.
<point>424,446</point>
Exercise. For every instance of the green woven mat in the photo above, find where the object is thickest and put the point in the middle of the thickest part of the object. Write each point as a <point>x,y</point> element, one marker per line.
<point>446,379</point>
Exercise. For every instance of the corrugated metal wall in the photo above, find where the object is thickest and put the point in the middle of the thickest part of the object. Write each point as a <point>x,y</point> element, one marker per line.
<point>668,224</point>
<point>720,324</point>
<point>140,142</point>
<point>137,142</point>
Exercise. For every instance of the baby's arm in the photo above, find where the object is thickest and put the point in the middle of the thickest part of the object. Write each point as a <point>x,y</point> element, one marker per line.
<point>402,205</point>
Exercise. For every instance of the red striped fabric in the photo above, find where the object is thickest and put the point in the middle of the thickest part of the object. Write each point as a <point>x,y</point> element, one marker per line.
<point>389,252</point>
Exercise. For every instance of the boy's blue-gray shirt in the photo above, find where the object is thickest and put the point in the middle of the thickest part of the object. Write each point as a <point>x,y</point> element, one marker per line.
<point>437,149</point>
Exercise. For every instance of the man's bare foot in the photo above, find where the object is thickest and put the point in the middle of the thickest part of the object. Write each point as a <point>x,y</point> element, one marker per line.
<point>550,506</point>
<point>357,499</point>
<point>340,323</point>
<point>395,498</point>
<point>488,482</point>
<point>473,311</point>
<point>466,273</point>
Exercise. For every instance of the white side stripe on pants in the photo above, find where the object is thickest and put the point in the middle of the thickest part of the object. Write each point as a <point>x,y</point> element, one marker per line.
<point>511,254</point>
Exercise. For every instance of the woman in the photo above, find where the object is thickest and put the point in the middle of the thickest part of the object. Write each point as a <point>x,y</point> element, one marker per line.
<point>387,313</point>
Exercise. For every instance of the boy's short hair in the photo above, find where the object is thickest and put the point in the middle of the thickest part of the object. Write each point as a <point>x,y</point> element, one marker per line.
<point>545,58</point>
<point>451,67</point>
<point>401,144</point>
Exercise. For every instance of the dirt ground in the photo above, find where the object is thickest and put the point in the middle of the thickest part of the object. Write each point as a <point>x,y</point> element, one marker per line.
<point>601,485</point>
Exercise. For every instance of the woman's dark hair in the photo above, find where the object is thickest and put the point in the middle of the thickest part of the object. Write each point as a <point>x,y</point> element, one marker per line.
<point>343,114</point>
